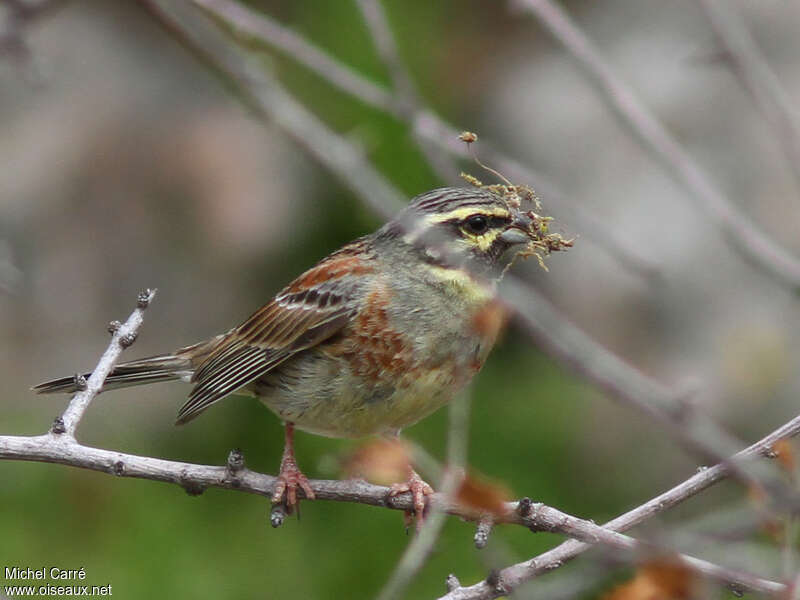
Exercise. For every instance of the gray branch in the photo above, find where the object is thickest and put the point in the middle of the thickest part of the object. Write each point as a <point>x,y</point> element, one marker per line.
<point>756,76</point>
<point>123,335</point>
<point>384,41</point>
<point>408,101</point>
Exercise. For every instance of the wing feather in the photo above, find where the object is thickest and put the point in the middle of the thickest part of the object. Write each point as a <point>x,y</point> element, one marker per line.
<point>308,311</point>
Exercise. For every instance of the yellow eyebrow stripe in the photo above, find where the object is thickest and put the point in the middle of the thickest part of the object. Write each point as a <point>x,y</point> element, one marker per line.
<point>466,211</point>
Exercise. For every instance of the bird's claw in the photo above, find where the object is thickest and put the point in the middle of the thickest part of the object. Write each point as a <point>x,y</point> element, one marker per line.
<point>419,490</point>
<point>289,479</point>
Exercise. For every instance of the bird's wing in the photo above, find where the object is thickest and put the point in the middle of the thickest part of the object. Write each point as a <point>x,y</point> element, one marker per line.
<point>308,311</point>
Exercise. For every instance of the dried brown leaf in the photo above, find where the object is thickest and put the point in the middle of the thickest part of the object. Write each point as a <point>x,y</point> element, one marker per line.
<point>659,580</point>
<point>477,494</point>
<point>785,455</point>
<point>380,461</point>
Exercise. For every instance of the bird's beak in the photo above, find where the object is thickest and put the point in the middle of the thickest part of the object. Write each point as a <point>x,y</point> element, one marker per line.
<point>519,232</point>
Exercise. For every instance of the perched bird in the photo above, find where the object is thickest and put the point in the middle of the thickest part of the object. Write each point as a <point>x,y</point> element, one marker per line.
<point>375,337</point>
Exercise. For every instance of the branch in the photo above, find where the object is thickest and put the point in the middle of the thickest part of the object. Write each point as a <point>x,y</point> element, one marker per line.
<point>758,79</point>
<point>738,228</point>
<point>195,479</point>
<point>407,102</point>
<point>123,335</point>
<point>378,26</point>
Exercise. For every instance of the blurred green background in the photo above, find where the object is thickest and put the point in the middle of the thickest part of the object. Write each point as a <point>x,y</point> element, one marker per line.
<point>125,165</point>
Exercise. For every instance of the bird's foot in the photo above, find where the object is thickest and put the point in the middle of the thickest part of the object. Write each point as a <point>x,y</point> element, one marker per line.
<point>419,491</point>
<point>289,479</point>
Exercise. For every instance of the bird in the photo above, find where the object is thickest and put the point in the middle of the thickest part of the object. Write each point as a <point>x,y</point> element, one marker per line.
<point>376,336</point>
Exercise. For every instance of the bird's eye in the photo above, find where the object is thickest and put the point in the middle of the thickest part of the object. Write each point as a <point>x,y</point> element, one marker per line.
<point>476,224</point>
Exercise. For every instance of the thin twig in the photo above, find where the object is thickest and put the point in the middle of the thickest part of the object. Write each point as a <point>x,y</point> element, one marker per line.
<point>547,562</point>
<point>752,243</point>
<point>756,76</point>
<point>378,26</point>
<point>789,541</point>
<point>407,99</point>
<point>196,478</point>
<point>123,336</point>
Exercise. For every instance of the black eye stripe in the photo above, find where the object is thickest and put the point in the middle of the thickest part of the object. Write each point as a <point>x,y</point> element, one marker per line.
<point>499,221</point>
<point>495,221</point>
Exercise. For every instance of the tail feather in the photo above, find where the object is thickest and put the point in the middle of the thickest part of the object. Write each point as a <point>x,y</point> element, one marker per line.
<point>166,367</point>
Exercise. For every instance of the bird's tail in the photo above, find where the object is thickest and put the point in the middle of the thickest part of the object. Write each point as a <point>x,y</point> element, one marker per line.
<point>178,365</point>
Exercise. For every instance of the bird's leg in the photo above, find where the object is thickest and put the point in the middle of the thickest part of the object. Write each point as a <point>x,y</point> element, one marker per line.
<point>419,490</point>
<point>290,477</point>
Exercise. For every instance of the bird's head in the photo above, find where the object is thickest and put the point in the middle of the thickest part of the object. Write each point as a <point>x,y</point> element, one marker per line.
<point>480,229</point>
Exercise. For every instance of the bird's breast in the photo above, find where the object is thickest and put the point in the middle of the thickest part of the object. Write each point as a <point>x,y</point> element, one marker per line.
<point>406,353</point>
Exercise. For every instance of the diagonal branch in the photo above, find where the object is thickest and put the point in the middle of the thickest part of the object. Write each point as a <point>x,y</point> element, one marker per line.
<point>755,74</point>
<point>750,241</point>
<point>241,17</point>
<point>123,336</point>
<point>384,41</point>
<point>249,24</point>
<point>408,101</point>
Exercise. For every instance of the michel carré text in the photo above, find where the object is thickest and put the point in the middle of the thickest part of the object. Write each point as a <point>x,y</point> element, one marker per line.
<point>26,573</point>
